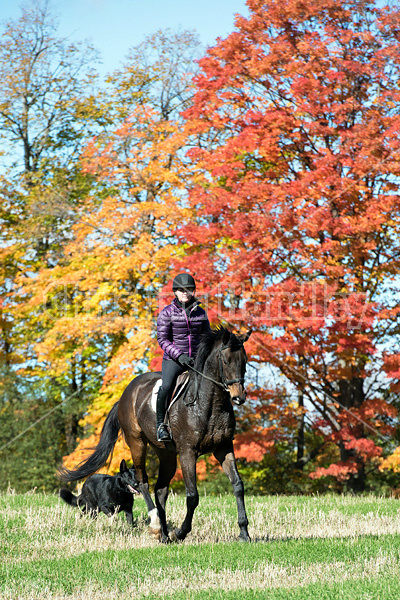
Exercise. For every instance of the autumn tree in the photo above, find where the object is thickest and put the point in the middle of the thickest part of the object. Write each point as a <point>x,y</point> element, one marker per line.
<point>46,111</point>
<point>158,72</point>
<point>103,296</point>
<point>44,79</point>
<point>296,211</point>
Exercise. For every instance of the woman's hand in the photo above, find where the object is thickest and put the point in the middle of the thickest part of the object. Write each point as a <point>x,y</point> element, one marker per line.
<point>185,360</point>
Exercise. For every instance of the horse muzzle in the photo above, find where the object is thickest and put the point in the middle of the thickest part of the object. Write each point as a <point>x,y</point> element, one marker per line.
<point>239,400</point>
<point>238,394</point>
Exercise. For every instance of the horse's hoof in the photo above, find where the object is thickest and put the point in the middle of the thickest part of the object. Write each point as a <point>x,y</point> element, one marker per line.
<point>173,537</point>
<point>176,535</point>
<point>165,539</point>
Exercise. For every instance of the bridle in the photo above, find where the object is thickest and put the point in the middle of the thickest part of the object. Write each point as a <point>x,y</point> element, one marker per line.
<point>224,383</point>
<point>227,382</point>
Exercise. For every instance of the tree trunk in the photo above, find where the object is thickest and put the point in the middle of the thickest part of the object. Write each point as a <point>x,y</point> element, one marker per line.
<point>300,431</point>
<point>356,481</point>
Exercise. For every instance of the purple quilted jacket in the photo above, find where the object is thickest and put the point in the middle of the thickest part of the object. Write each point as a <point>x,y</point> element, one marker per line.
<point>179,331</point>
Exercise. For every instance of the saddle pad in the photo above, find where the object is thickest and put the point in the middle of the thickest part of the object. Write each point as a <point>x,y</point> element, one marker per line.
<point>154,394</point>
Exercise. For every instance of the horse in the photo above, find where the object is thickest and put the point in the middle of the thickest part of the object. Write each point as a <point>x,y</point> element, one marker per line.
<point>201,421</point>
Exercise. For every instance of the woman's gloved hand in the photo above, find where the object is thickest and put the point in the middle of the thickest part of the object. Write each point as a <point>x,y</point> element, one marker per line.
<point>185,360</point>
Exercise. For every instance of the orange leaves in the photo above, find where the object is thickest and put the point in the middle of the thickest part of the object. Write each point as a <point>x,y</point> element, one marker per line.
<point>253,446</point>
<point>340,470</point>
<point>140,154</point>
<point>295,200</point>
<point>85,447</point>
<point>119,246</point>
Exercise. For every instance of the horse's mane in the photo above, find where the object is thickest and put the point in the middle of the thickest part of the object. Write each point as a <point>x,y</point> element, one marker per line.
<point>208,341</point>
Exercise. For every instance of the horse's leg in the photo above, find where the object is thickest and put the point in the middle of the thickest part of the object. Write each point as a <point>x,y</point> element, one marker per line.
<point>188,464</point>
<point>138,452</point>
<point>226,457</point>
<point>166,472</point>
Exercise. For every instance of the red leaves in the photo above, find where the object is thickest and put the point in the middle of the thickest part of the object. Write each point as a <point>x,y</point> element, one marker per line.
<point>252,450</point>
<point>340,470</point>
<point>297,217</point>
<point>363,448</point>
<point>392,367</point>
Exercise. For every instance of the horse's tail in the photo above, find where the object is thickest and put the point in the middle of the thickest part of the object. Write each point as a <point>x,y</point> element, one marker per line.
<point>108,438</point>
<point>69,497</point>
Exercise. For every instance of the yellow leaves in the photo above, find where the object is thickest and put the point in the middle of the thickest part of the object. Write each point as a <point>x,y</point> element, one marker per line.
<point>103,292</point>
<point>85,448</point>
<point>392,462</point>
<point>120,255</point>
<point>227,242</point>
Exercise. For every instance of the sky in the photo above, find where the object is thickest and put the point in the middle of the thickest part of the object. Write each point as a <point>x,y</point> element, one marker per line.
<point>114,26</point>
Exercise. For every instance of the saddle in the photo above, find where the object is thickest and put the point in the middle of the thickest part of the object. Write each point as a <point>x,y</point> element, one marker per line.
<point>180,386</point>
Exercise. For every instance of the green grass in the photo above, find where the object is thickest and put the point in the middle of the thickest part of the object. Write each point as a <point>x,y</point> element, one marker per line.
<point>387,588</point>
<point>303,547</point>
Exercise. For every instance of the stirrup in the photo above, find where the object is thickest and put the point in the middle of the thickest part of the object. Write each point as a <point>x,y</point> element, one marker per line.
<point>163,433</point>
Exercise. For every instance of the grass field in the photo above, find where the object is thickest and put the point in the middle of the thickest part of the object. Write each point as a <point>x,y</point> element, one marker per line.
<point>303,548</point>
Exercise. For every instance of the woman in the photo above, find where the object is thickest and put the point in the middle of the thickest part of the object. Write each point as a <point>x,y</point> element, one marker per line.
<point>179,327</point>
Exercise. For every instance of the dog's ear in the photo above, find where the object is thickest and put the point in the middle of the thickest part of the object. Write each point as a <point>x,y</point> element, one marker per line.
<point>122,466</point>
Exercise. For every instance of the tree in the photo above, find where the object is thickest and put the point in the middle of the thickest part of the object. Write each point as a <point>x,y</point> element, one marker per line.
<point>157,72</point>
<point>297,113</point>
<point>119,256</point>
<point>85,263</point>
<point>46,110</point>
<point>44,80</point>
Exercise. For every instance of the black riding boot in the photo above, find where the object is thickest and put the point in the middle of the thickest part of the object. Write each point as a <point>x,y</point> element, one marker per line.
<point>162,430</point>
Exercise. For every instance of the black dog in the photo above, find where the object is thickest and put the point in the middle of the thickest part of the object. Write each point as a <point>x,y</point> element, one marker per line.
<point>106,493</point>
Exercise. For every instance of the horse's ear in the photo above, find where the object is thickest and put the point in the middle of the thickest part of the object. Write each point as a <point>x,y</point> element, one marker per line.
<point>226,337</point>
<point>122,466</point>
<point>244,336</point>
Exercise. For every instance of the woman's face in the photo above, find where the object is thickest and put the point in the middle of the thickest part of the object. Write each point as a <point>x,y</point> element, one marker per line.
<point>184,295</point>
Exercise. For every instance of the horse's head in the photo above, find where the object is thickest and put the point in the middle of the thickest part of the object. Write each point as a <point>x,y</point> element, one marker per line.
<point>232,364</point>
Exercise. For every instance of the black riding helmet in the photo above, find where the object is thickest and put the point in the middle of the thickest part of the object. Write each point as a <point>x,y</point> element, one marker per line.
<point>184,281</point>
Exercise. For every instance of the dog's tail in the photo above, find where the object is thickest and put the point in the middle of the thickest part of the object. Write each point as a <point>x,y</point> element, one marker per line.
<point>69,497</point>
<point>108,438</point>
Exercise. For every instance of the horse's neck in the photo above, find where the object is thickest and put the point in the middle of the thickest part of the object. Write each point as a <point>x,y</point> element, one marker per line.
<point>209,392</point>
<point>211,367</point>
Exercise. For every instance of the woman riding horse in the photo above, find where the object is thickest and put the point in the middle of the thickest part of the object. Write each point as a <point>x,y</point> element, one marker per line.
<point>201,420</point>
<point>179,327</point>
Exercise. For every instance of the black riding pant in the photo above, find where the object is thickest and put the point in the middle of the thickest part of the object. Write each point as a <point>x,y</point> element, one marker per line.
<point>170,372</point>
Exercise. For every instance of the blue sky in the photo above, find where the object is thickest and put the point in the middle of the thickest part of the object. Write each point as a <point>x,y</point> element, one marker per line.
<point>114,26</point>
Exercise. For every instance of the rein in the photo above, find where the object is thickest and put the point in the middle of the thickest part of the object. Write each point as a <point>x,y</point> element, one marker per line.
<point>218,383</point>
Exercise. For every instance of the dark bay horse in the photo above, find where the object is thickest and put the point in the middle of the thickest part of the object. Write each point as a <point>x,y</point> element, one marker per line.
<point>201,421</point>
